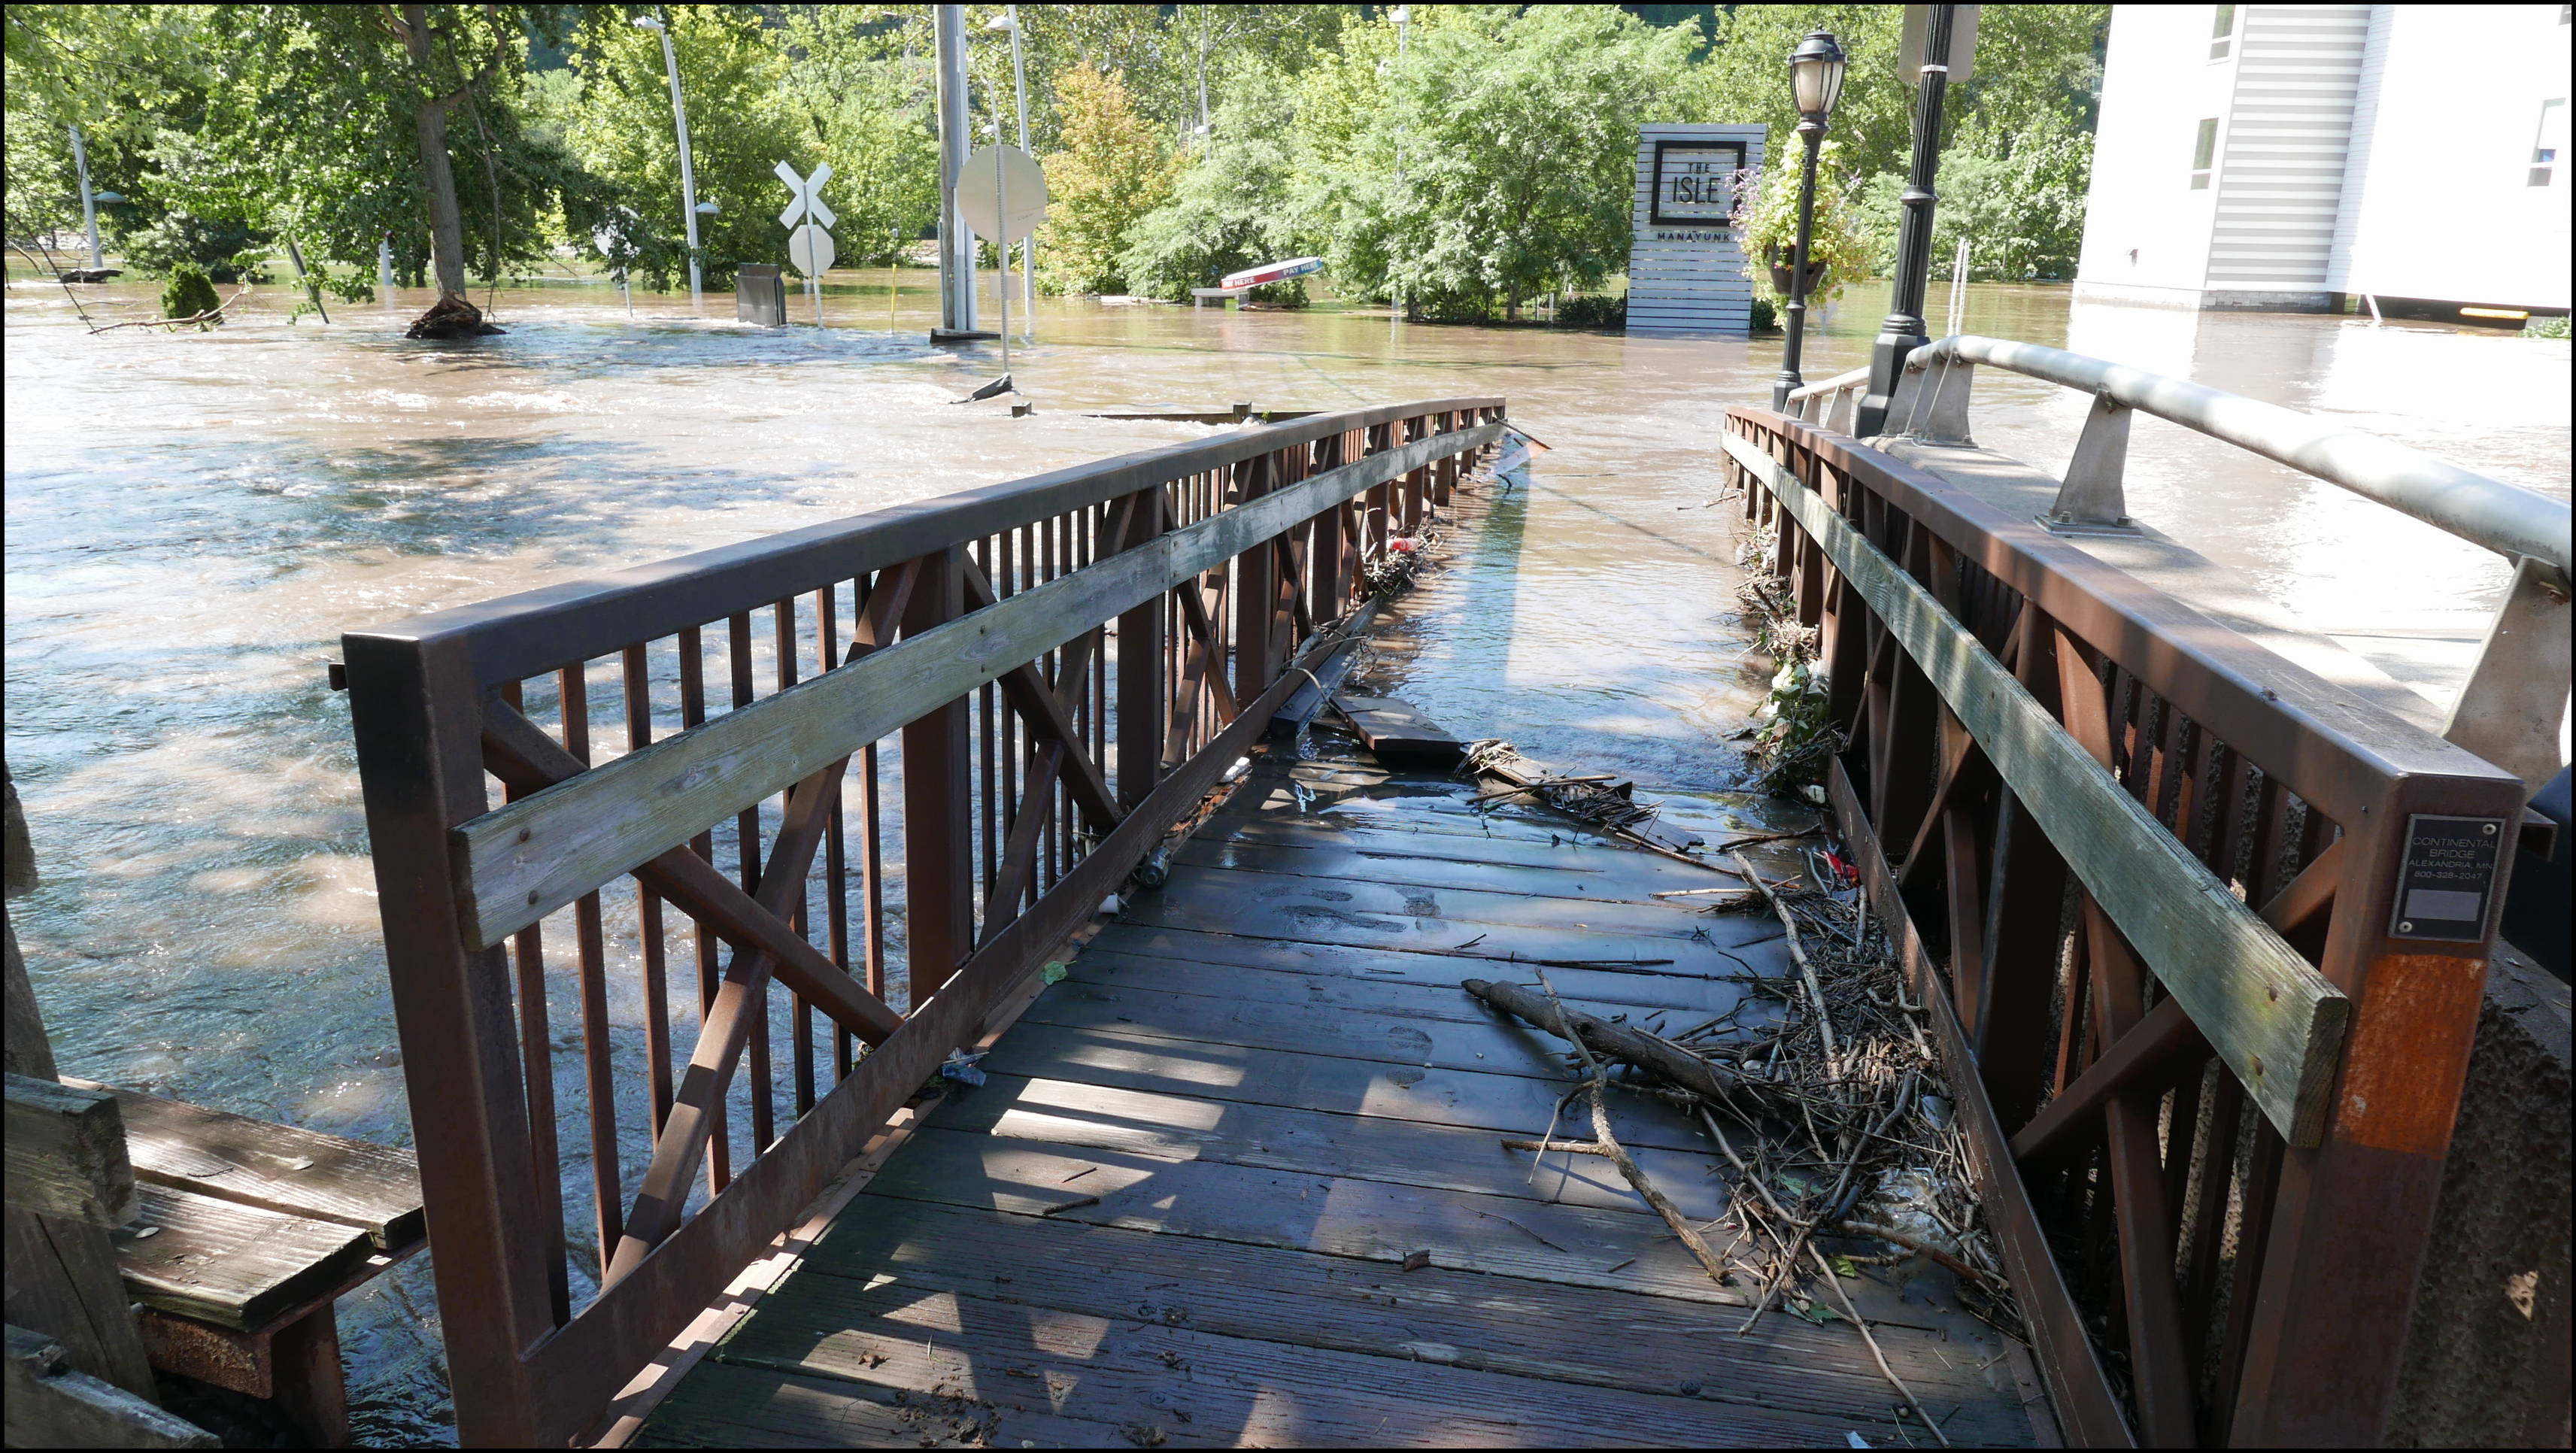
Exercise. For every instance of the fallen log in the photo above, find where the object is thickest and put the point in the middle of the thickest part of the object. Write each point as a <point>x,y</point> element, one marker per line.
<point>1675,1066</point>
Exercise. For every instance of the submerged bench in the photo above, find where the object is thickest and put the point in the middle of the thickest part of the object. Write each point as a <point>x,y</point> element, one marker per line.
<point>248,1232</point>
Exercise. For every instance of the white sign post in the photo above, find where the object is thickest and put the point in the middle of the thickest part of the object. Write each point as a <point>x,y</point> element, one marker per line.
<point>809,247</point>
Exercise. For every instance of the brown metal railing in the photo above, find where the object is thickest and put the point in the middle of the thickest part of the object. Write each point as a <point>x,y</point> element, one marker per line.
<point>2151,876</point>
<point>862,777</point>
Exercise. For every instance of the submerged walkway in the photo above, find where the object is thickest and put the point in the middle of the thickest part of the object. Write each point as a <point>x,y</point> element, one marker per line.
<point>1182,1209</point>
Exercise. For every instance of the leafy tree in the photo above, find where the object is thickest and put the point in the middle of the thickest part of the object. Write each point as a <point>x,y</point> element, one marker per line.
<point>1495,160</point>
<point>1110,171</point>
<point>732,78</point>
<point>860,92</point>
<point>125,75</point>
<point>1231,210</point>
<point>1746,79</point>
<point>2019,202</point>
<point>336,125</point>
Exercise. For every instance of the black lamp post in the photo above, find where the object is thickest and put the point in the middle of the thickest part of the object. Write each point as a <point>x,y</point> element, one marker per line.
<point>1816,77</point>
<point>1902,332</point>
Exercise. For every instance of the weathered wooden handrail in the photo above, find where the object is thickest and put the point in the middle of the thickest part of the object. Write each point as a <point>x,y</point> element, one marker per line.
<point>543,851</point>
<point>2000,687</point>
<point>1048,673</point>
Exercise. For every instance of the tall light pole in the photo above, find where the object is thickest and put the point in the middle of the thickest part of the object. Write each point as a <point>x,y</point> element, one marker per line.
<point>688,173</point>
<point>1816,78</point>
<point>1402,15</point>
<point>1010,21</point>
<point>89,202</point>
<point>956,244</point>
<point>1902,332</point>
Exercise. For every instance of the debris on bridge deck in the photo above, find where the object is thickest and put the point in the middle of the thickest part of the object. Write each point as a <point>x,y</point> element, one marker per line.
<point>1241,1175</point>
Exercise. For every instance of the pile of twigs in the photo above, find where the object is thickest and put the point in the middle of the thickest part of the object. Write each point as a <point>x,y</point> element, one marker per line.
<point>1833,1117</point>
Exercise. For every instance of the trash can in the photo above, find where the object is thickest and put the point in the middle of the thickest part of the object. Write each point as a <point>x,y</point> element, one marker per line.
<point>760,295</point>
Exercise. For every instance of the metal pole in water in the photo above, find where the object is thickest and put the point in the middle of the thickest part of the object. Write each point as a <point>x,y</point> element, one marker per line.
<point>1028,244</point>
<point>956,245</point>
<point>385,267</point>
<point>688,173</point>
<point>89,199</point>
<point>1002,250</point>
<point>1958,319</point>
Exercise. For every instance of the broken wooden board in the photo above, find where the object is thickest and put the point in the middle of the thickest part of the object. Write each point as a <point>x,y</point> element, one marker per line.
<point>274,1167</point>
<point>1398,735</point>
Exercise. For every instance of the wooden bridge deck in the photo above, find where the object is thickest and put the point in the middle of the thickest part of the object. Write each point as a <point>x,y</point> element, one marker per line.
<point>1181,1210</point>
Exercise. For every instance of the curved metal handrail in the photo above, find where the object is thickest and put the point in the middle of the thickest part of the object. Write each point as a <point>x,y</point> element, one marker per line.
<point>2514,700</point>
<point>2505,518</point>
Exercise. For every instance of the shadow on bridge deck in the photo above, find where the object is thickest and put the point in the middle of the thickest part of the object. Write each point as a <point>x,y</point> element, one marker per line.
<point>1181,1208</point>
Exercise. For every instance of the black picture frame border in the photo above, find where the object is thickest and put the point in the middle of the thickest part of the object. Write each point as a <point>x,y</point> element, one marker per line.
<point>1655,179</point>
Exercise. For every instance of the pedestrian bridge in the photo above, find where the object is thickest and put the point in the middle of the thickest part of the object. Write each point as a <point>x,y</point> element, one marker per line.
<point>918,1144</point>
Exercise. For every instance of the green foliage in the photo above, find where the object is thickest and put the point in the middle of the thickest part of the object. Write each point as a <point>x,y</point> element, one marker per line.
<point>1490,163</point>
<point>1487,164</point>
<point>1231,210</point>
<point>1766,314</point>
<point>224,251</point>
<point>860,91</point>
<point>188,293</point>
<point>1769,219</point>
<point>732,79</point>
<point>2549,327</point>
<point>1109,173</point>
<point>2019,201</point>
<point>1584,310</point>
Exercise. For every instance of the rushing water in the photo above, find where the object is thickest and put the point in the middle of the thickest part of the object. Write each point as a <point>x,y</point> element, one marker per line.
<point>193,519</point>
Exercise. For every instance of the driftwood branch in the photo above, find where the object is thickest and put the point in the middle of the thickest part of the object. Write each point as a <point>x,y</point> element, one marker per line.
<point>1656,1056</point>
<point>1609,1146</point>
<point>1797,951</point>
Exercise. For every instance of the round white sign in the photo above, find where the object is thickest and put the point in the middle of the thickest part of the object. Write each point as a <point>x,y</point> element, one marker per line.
<point>1002,193</point>
<point>810,248</point>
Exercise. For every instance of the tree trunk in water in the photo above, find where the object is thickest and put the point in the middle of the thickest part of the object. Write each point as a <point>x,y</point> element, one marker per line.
<point>453,315</point>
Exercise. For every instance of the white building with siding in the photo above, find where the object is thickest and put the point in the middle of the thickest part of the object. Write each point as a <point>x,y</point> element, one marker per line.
<point>2299,156</point>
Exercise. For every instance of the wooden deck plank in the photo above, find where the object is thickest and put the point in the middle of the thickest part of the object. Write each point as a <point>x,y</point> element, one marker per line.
<point>1628,989</point>
<point>1642,1344</point>
<point>720,1405</point>
<point>274,1167</point>
<point>1468,1099</point>
<point>1212,1019</point>
<point>233,1265</point>
<point>1582,873</point>
<point>1364,1147</point>
<point>1366,1220</point>
<point>1250,900</point>
<point>1409,996</point>
<point>1205,1389</point>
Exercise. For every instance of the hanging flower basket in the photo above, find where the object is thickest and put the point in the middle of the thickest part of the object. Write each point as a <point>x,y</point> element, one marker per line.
<point>1778,258</point>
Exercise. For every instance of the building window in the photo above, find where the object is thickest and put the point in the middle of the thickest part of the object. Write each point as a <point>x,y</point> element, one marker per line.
<point>2223,33</point>
<point>2203,153</point>
<point>2551,140</point>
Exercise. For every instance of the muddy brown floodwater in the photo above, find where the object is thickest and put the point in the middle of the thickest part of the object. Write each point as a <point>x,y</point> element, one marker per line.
<point>192,520</point>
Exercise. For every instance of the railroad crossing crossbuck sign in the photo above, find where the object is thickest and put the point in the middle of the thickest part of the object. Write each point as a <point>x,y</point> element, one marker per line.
<point>809,247</point>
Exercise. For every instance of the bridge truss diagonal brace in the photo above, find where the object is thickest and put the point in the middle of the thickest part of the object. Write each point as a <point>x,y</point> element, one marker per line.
<point>2276,1021</point>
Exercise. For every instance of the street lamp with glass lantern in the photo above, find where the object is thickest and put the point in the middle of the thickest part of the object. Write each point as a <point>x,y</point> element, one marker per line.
<point>1816,80</point>
<point>689,208</point>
